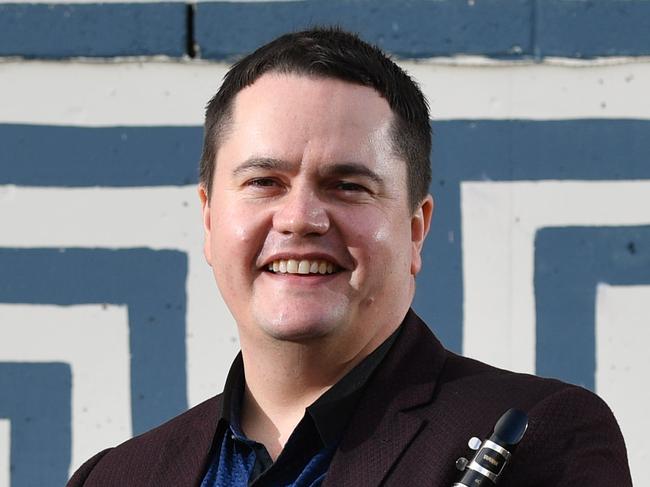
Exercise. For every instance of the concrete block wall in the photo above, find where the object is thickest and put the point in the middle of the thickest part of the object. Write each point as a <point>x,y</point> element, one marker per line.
<point>538,259</point>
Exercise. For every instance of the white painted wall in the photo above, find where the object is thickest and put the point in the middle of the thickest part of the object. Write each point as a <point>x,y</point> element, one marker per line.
<point>176,92</point>
<point>5,452</point>
<point>622,337</point>
<point>499,222</point>
<point>94,341</point>
<point>499,218</point>
<point>153,217</point>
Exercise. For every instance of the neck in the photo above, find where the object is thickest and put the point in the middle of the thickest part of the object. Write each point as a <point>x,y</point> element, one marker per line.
<point>283,378</point>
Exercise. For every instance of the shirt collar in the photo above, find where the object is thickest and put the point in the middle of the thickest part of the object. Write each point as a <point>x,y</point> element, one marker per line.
<point>333,409</point>
<point>233,391</point>
<point>330,412</point>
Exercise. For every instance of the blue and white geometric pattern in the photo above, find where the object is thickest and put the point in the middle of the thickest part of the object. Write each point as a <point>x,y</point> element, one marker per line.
<point>537,260</point>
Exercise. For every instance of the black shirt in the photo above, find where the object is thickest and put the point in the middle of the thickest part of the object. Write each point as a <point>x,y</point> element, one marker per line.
<point>312,443</point>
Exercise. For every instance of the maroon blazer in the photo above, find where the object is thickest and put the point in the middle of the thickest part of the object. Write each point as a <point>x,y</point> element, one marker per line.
<point>413,421</point>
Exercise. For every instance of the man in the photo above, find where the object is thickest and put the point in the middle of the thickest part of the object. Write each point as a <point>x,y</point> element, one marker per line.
<point>314,188</point>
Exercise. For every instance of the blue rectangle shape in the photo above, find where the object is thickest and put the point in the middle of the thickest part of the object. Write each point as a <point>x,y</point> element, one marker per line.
<point>37,155</point>
<point>413,29</point>
<point>587,29</point>
<point>93,30</point>
<point>37,399</point>
<point>520,150</point>
<point>570,262</point>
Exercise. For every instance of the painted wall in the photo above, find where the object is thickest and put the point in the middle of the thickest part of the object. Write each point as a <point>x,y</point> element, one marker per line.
<point>110,322</point>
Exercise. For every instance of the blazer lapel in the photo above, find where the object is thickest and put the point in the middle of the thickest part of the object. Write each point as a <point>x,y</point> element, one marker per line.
<point>384,424</point>
<point>184,457</point>
<point>386,421</point>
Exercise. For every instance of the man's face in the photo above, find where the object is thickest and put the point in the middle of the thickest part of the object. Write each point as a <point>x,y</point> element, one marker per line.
<point>308,231</point>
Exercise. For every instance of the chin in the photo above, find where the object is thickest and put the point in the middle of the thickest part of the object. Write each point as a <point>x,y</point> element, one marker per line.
<point>299,328</point>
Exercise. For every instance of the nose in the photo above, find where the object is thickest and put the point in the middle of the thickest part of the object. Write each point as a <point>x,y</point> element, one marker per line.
<point>301,212</point>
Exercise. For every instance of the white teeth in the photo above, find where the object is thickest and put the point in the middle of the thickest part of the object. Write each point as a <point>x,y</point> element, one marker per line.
<point>294,266</point>
<point>303,267</point>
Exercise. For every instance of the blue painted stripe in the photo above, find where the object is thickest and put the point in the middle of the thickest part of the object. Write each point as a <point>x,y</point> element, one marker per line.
<point>413,29</point>
<point>515,150</point>
<point>93,30</point>
<point>41,155</point>
<point>569,264</point>
<point>584,29</point>
<point>116,156</point>
<point>152,285</point>
<point>41,437</point>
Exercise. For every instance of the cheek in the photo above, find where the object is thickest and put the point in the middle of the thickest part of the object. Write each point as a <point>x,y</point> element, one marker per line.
<point>381,249</point>
<point>236,236</point>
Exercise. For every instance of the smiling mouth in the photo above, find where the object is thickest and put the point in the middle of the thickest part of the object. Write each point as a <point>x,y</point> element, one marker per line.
<point>304,267</point>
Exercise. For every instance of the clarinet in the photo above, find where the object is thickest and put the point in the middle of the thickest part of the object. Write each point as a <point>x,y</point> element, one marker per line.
<point>493,454</point>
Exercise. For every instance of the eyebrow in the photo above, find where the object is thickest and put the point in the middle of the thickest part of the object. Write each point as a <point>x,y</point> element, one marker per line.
<point>352,169</point>
<point>340,169</point>
<point>262,163</point>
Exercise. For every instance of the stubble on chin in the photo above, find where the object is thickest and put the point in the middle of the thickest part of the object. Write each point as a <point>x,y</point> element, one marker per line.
<point>299,327</point>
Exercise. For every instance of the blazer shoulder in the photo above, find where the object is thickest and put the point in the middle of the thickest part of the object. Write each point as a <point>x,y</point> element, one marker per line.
<point>487,381</point>
<point>574,433</point>
<point>142,453</point>
<point>80,476</point>
<point>571,430</point>
<point>204,413</point>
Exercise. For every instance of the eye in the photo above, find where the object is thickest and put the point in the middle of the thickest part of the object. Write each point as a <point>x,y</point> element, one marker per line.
<point>263,186</point>
<point>348,186</point>
<point>262,182</point>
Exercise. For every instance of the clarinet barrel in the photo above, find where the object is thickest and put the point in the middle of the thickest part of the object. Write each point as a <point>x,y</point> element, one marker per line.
<point>493,454</point>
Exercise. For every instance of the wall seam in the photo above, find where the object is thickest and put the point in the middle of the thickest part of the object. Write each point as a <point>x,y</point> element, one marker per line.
<point>191,49</point>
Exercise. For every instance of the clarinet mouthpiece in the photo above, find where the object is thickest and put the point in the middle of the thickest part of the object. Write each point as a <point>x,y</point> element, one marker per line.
<point>493,454</point>
<point>510,428</point>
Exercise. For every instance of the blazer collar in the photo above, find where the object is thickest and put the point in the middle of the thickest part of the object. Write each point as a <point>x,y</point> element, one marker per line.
<point>379,430</point>
<point>185,456</point>
<point>385,422</point>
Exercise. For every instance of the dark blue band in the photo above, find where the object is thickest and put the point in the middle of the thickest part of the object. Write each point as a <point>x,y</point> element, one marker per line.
<point>413,29</point>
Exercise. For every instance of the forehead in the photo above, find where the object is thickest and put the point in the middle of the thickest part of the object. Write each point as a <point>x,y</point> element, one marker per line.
<point>312,92</point>
<point>299,112</point>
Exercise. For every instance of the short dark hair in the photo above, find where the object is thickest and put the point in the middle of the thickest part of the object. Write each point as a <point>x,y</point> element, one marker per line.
<point>330,52</point>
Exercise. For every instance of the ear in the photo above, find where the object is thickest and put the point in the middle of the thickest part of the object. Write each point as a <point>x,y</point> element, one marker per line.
<point>207,226</point>
<point>420,223</point>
